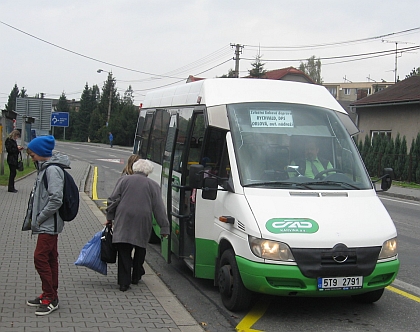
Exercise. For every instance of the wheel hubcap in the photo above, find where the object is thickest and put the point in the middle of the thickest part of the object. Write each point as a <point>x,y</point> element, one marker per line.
<point>225,280</point>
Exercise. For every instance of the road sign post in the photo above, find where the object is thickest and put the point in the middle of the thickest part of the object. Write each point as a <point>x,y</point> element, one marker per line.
<point>60,119</point>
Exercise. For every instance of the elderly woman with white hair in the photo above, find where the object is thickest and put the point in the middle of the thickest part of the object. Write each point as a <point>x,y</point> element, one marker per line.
<point>136,199</point>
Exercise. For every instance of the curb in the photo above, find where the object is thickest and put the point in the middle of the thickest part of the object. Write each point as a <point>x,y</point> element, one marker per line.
<point>402,196</point>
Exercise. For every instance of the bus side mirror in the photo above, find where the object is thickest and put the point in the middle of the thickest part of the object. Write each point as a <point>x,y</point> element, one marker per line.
<point>387,179</point>
<point>196,176</point>
<point>209,188</point>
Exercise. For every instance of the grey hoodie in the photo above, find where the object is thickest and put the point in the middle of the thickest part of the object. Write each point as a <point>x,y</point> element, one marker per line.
<point>43,204</point>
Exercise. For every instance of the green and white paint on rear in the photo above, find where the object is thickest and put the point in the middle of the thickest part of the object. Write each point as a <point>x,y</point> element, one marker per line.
<point>243,212</point>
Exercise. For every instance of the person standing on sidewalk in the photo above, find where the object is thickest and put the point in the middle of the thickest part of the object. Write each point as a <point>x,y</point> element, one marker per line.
<point>13,151</point>
<point>111,139</point>
<point>134,202</point>
<point>45,219</point>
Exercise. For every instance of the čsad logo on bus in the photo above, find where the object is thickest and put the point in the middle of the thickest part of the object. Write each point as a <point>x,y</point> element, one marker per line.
<point>291,225</point>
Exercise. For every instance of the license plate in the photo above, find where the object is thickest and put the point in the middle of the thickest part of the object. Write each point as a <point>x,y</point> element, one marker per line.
<point>340,283</point>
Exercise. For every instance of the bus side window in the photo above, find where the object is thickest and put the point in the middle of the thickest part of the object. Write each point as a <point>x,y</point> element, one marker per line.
<point>145,135</point>
<point>195,149</point>
<point>158,134</point>
<point>215,153</point>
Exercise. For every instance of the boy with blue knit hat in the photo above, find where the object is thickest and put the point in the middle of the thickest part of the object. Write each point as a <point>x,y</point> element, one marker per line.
<point>43,219</point>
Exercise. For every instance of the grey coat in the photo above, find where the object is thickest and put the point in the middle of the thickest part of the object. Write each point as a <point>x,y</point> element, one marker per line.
<point>136,199</point>
<point>43,205</point>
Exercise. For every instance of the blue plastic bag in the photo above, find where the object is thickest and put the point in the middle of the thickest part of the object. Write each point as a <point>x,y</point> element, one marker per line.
<point>90,256</point>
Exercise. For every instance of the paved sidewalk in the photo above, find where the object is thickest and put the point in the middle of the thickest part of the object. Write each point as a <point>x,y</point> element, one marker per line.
<point>89,301</point>
<point>400,192</point>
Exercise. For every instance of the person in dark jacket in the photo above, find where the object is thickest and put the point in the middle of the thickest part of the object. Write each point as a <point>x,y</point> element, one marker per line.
<point>133,204</point>
<point>111,139</point>
<point>13,150</point>
<point>45,220</point>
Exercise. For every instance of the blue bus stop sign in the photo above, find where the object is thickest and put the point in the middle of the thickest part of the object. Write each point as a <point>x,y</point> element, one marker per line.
<point>59,119</point>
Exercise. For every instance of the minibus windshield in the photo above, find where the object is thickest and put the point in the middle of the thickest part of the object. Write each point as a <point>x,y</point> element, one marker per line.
<point>298,146</point>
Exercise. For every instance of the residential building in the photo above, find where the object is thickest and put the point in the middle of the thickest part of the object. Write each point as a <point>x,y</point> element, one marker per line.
<point>390,111</point>
<point>351,91</point>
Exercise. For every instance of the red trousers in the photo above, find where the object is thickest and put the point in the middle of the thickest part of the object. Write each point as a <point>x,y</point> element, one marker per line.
<point>46,263</point>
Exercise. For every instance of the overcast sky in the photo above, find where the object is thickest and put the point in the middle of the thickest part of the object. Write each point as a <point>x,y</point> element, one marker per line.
<point>51,46</point>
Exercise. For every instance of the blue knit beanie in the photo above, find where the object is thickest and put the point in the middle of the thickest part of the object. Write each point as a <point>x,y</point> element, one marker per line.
<point>42,145</point>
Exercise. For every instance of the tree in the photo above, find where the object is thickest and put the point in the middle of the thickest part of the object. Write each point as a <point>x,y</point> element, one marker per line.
<point>416,159</point>
<point>389,154</point>
<point>312,68</point>
<point>94,127</point>
<point>11,102</point>
<point>128,96</point>
<point>401,150</point>
<point>98,131</point>
<point>367,155</point>
<point>231,74</point>
<point>414,72</point>
<point>23,93</point>
<point>80,120</point>
<point>258,68</point>
<point>62,106</point>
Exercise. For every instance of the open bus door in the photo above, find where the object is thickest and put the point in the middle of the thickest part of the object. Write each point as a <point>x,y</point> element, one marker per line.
<point>167,167</point>
<point>183,148</point>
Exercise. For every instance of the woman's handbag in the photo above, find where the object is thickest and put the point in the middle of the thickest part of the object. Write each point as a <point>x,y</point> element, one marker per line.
<point>90,256</point>
<point>108,250</point>
<point>20,163</point>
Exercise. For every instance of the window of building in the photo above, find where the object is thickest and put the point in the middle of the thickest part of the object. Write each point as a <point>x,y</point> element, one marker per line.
<point>383,133</point>
<point>333,91</point>
<point>347,91</point>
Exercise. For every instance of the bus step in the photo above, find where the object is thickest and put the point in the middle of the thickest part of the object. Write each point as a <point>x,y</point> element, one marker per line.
<point>190,262</point>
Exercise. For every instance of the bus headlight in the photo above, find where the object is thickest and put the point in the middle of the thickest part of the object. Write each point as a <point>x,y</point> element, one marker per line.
<point>389,249</point>
<point>268,249</point>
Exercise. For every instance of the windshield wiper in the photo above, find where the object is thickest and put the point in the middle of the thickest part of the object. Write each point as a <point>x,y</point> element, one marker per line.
<point>290,185</point>
<point>341,184</point>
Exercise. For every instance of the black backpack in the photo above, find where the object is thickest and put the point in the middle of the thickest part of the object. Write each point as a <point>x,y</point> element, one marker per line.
<point>70,206</point>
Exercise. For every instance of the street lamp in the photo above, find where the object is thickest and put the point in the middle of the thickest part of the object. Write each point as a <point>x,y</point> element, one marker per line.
<point>110,82</point>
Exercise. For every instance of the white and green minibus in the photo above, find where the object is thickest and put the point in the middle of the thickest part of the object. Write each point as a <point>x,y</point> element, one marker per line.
<point>243,209</point>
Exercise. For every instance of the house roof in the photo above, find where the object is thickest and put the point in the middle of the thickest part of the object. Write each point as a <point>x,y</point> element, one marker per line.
<point>278,74</point>
<point>192,78</point>
<point>404,91</point>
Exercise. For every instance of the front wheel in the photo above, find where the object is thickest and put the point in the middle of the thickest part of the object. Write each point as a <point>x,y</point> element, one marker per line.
<point>235,296</point>
<point>369,297</point>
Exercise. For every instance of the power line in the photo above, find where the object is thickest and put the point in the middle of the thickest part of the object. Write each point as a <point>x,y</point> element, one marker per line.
<point>213,67</point>
<point>387,52</point>
<point>162,86</point>
<point>216,55</point>
<point>277,48</point>
<point>85,56</point>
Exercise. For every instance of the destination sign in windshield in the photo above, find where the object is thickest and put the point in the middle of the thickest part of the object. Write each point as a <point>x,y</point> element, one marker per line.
<point>271,118</point>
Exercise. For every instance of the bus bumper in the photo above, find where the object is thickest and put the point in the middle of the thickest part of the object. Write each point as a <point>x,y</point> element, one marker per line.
<point>286,280</point>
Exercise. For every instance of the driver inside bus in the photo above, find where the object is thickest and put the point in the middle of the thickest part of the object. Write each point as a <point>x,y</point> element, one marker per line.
<point>312,164</point>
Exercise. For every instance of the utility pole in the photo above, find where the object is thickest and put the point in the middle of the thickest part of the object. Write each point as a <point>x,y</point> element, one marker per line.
<point>396,55</point>
<point>110,83</point>
<point>238,50</point>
